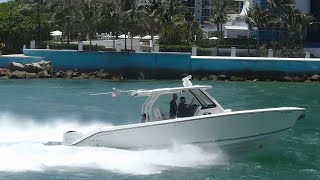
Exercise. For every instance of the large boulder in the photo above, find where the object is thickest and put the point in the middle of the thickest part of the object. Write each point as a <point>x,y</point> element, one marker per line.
<point>43,74</point>
<point>204,79</point>
<point>60,74</point>
<point>68,74</point>
<point>223,77</point>
<point>236,78</point>
<point>31,75</point>
<point>46,65</point>
<point>4,78</point>
<point>103,75</point>
<point>84,76</point>
<point>34,68</point>
<point>315,77</point>
<point>75,74</point>
<point>213,77</point>
<point>287,79</point>
<point>298,79</point>
<point>18,75</point>
<point>4,72</point>
<point>17,67</point>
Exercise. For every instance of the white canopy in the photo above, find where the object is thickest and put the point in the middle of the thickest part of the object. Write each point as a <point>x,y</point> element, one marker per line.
<point>244,28</point>
<point>167,90</point>
<point>123,36</point>
<point>56,33</point>
<point>214,38</point>
<point>136,37</point>
<point>156,37</point>
<point>146,37</point>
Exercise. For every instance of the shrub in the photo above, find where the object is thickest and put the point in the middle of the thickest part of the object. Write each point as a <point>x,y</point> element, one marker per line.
<point>175,48</point>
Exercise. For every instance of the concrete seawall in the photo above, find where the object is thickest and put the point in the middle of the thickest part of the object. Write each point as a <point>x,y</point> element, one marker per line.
<point>254,64</point>
<point>6,60</point>
<point>113,61</point>
<point>166,62</point>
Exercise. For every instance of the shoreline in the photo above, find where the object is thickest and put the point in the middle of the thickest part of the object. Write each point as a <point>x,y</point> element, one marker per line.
<point>7,74</point>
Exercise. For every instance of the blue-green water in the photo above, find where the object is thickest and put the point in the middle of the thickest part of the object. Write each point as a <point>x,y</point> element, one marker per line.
<point>36,111</point>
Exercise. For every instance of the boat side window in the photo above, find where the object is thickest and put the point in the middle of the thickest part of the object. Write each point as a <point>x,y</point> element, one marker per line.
<point>204,100</point>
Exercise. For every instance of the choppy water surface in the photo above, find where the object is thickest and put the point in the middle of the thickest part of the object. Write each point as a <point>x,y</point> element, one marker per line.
<point>36,111</point>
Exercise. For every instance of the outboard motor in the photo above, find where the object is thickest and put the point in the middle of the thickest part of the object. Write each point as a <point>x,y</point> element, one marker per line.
<point>70,136</point>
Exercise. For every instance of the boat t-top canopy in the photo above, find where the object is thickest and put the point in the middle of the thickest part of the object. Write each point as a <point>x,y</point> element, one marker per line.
<point>168,90</point>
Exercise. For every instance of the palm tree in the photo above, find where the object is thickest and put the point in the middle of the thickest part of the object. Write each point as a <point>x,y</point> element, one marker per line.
<point>35,6</point>
<point>295,27</point>
<point>277,9</point>
<point>153,13</point>
<point>220,9</point>
<point>189,18</point>
<point>88,15</point>
<point>63,16</point>
<point>258,18</point>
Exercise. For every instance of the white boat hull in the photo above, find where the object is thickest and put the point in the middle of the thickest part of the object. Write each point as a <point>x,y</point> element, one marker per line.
<point>242,129</point>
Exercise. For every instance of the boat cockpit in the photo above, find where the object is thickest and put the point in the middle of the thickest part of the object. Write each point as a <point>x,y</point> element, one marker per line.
<point>195,98</point>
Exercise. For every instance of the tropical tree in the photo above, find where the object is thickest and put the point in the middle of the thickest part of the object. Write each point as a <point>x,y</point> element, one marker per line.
<point>181,29</point>
<point>294,30</point>
<point>29,7</point>
<point>64,17</point>
<point>220,10</point>
<point>87,14</point>
<point>153,16</point>
<point>258,18</point>
<point>277,9</point>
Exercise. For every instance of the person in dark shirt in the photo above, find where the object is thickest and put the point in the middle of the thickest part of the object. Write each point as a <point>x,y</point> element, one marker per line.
<point>173,106</point>
<point>144,118</point>
<point>185,110</point>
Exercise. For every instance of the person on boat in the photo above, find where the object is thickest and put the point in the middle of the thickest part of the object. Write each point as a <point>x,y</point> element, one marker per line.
<point>184,109</point>
<point>144,118</point>
<point>173,106</point>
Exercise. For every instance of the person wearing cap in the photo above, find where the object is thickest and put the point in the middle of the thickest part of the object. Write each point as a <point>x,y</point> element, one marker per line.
<point>184,109</point>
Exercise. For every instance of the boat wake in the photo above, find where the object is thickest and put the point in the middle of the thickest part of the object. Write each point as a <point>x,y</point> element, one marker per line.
<point>22,149</point>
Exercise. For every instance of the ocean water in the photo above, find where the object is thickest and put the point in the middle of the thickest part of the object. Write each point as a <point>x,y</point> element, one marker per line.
<point>37,111</point>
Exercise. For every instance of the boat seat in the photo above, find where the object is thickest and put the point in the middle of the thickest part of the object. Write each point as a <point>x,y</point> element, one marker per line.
<point>196,111</point>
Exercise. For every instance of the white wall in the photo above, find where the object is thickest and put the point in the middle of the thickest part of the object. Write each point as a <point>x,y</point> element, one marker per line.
<point>315,51</point>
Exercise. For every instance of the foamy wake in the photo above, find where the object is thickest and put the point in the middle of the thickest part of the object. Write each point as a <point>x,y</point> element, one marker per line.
<point>21,150</point>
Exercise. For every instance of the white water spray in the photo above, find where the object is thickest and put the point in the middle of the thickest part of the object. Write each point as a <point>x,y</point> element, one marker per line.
<point>21,149</point>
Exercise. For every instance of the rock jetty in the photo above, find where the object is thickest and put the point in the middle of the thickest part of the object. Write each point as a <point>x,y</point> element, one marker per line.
<point>46,70</point>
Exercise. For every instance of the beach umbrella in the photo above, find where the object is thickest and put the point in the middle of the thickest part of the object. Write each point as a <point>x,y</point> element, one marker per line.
<point>146,37</point>
<point>156,37</point>
<point>123,36</point>
<point>56,33</point>
<point>136,37</point>
<point>214,38</point>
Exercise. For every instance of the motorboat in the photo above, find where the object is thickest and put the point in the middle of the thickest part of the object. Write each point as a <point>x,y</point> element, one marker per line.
<point>206,124</point>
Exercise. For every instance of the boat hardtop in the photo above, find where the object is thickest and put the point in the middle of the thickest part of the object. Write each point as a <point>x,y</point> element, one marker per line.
<point>168,90</point>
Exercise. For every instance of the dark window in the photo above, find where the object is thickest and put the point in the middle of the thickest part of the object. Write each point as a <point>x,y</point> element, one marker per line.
<point>205,12</point>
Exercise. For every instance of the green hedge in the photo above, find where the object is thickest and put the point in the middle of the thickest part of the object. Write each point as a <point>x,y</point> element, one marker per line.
<point>203,52</point>
<point>175,48</point>
<point>226,43</point>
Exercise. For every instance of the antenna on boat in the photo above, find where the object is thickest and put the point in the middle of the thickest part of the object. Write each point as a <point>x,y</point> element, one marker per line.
<point>186,81</point>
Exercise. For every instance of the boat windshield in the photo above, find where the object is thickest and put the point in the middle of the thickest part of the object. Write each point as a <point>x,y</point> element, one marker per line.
<point>203,99</point>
